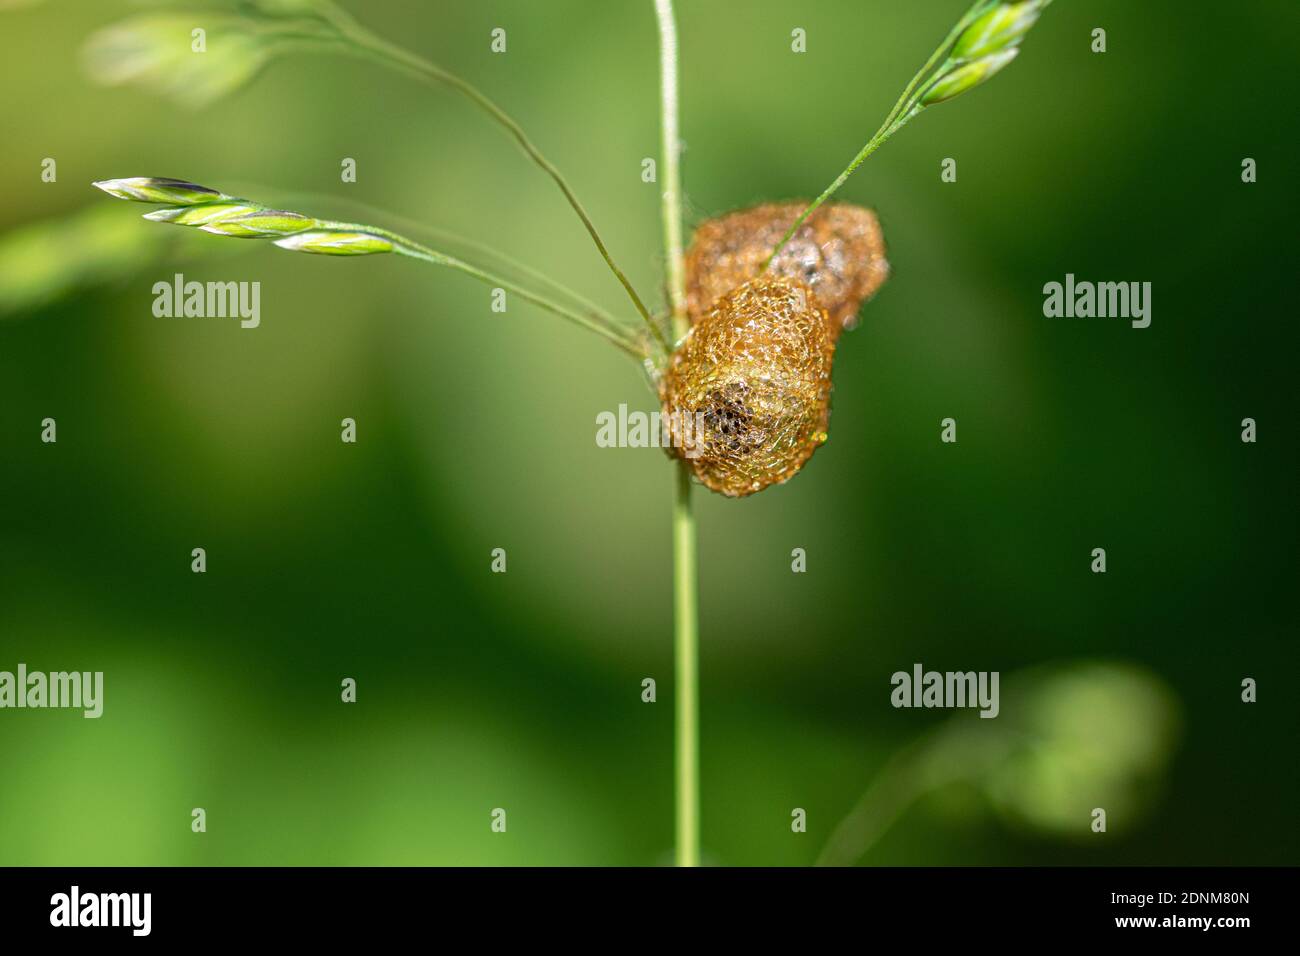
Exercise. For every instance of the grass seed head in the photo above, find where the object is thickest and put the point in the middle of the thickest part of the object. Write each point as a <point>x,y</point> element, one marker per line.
<point>330,243</point>
<point>153,51</point>
<point>222,215</point>
<point>967,76</point>
<point>259,224</point>
<point>1002,27</point>
<point>201,214</point>
<point>158,189</point>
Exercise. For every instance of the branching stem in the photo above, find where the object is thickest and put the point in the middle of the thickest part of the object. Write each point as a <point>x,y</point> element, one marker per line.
<point>362,42</point>
<point>409,247</point>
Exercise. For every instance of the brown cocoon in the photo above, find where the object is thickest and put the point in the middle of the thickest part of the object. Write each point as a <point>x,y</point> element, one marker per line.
<point>839,253</point>
<point>746,396</point>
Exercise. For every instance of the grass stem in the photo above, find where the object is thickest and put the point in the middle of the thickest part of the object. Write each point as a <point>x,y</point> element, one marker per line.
<point>686,653</point>
<point>409,247</point>
<point>686,649</point>
<point>361,41</point>
<point>903,110</point>
<point>512,265</point>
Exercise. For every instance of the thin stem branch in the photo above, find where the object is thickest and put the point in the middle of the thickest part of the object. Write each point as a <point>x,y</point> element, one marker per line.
<point>443,235</point>
<point>903,111</point>
<point>976,10</point>
<point>409,247</point>
<point>367,44</point>
<point>686,650</point>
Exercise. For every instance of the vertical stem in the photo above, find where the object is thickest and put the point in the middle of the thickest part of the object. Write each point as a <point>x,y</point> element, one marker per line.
<point>686,653</point>
<point>670,146</point>
<point>685,577</point>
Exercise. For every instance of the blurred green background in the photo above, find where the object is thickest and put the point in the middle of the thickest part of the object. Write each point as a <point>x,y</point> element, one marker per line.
<point>476,431</point>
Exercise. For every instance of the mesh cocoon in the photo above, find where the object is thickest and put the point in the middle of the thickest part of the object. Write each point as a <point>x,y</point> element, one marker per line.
<point>746,396</point>
<point>839,253</point>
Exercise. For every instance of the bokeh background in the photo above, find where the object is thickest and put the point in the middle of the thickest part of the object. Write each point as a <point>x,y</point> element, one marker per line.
<point>476,431</point>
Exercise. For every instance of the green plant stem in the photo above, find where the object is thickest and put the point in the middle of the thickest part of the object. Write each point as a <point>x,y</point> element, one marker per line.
<point>409,247</point>
<point>686,654</point>
<point>670,148</point>
<point>464,241</point>
<point>443,235</point>
<point>903,111</point>
<point>977,9</point>
<point>365,43</point>
<point>686,649</point>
